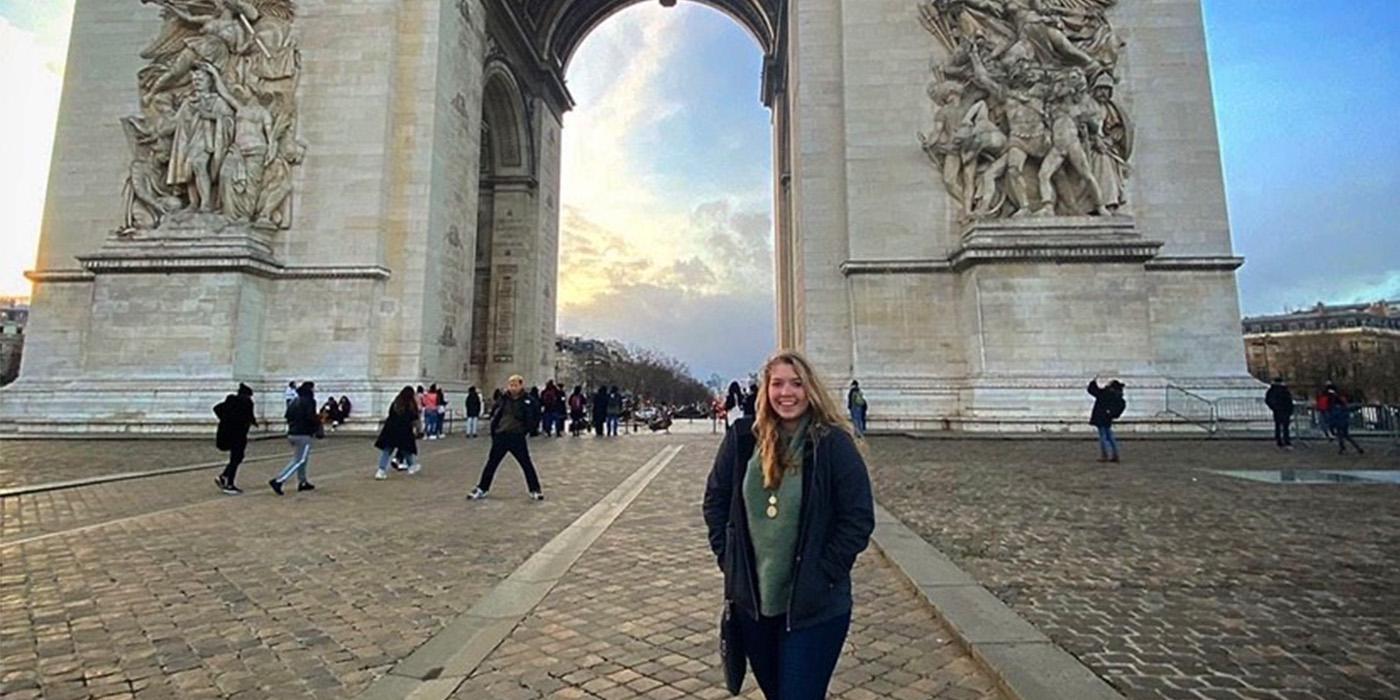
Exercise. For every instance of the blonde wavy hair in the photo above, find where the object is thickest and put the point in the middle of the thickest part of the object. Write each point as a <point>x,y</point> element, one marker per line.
<point>822,410</point>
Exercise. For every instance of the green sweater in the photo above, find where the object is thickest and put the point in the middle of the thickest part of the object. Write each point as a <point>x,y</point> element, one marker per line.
<point>774,538</point>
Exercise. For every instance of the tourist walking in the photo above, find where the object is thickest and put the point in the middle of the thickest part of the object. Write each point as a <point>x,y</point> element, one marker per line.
<point>751,402</point>
<point>1280,402</point>
<point>430,413</point>
<point>235,417</point>
<point>303,426</point>
<point>290,393</point>
<point>441,412</point>
<point>511,418</point>
<point>473,406</point>
<point>552,403</point>
<point>578,411</point>
<point>855,403</point>
<point>1108,406</point>
<point>397,434</point>
<point>1339,419</point>
<point>600,410</point>
<point>788,507</point>
<point>614,410</point>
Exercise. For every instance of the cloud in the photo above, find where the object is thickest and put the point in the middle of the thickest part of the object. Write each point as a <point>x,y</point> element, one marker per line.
<point>31,72</point>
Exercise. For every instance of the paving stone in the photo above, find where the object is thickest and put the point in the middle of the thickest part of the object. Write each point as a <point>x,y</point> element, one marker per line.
<point>1153,570</point>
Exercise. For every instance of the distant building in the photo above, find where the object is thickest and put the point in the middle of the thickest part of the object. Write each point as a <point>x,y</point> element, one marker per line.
<point>1357,346</point>
<point>14,316</point>
<point>586,361</point>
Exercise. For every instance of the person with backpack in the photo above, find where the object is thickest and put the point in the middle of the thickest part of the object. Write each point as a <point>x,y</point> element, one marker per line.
<point>552,403</point>
<point>578,411</point>
<point>855,403</point>
<point>303,426</point>
<point>235,417</point>
<point>1108,407</point>
<point>397,434</point>
<point>1280,402</point>
<point>473,406</point>
<point>788,507</point>
<point>511,419</point>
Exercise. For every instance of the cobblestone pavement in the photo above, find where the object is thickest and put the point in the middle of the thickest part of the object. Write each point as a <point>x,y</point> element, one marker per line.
<point>1167,581</point>
<point>28,462</point>
<point>636,617</point>
<point>307,595</point>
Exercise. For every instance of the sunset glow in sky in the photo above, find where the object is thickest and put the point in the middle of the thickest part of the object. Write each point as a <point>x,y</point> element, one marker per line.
<point>667,230</point>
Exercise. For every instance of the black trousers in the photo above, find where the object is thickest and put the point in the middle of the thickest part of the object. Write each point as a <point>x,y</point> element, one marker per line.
<point>235,458</point>
<point>1281,426</point>
<point>513,444</point>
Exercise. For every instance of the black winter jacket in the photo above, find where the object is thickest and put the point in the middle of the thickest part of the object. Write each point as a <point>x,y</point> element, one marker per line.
<point>235,417</point>
<point>1108,405</point>
<point>1279,400</point>
<point>837,518</point>
<point>526,409</point>
<point>301,416</point>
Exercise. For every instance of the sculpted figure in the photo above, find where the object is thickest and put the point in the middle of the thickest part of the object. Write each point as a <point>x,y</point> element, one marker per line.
<point>147,199</point>
<point>940,144</point>
<point>275,200</point>
<point>254,145</point>
<point>1112,145</point>
<point>1069,113</point>
<point>213,38</point>
<point>203,130</point>
<point>1028,136</point>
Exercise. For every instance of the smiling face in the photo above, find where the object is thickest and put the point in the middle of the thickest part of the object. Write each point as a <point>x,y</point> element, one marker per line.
<point>516,385</point>
<point>787,395</point>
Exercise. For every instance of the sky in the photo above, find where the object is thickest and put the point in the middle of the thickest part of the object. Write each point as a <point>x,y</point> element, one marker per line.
<point>667,197</point>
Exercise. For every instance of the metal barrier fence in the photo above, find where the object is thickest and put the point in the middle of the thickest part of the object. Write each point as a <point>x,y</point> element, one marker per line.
<point>1242,413</point>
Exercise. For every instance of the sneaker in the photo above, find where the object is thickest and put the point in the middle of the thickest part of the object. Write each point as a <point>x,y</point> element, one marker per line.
<point>276,486</point>
<point>227,487</point>
<point>306,486</point>
<point>380,474</point>
<point>476,495</point>
<point>415,469</point>
<point>537,495</point>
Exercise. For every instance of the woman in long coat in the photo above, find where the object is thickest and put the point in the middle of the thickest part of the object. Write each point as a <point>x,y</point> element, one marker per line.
<point>398,434</point>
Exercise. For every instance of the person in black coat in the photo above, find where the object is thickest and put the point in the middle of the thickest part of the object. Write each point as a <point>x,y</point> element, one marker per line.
<point>600,410</point>
<point>511,420</point>
<point>1280,402</point>
<point>788,507</point>
<point>473,406</point>
<point>235,418</point>
<point>303,426</point>
<point>1108,406</point>
<point>397,434</point>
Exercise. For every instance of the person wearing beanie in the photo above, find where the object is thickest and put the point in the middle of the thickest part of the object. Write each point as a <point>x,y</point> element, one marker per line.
<point>235,418</point>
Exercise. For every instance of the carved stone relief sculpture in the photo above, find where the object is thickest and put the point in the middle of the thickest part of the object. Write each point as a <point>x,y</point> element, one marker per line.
<point>216,140</point>
<point>1025,122</point>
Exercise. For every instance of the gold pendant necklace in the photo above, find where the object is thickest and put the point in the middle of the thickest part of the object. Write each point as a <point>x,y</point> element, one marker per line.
<point>772,506</point>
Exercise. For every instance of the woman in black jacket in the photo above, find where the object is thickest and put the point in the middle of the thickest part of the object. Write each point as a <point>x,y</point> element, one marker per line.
<point>398,434</point>
<point>473,411</point>
<point>788,507</point>
<point>235,417</point>
<point>1108,406</point>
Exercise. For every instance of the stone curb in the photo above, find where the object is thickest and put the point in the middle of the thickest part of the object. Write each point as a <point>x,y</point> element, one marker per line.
<point>434,670</point>
<point>1026,664</point>
<point>128,476</point>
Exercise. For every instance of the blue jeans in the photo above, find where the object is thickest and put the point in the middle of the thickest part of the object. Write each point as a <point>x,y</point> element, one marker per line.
<point>612,424</point>
<point>1108,445</point>
<point>432,422</point>
<point>301,457</point>
<point>858,419</point>
<point>794,665</point>
<point>409,459</point>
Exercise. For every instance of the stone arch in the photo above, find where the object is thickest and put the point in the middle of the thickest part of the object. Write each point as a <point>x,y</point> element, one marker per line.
<point>506,145</point>
<point>566,23</point>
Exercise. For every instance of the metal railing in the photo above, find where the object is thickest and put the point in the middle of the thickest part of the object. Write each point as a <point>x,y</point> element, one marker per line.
<point>1244,412</point>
